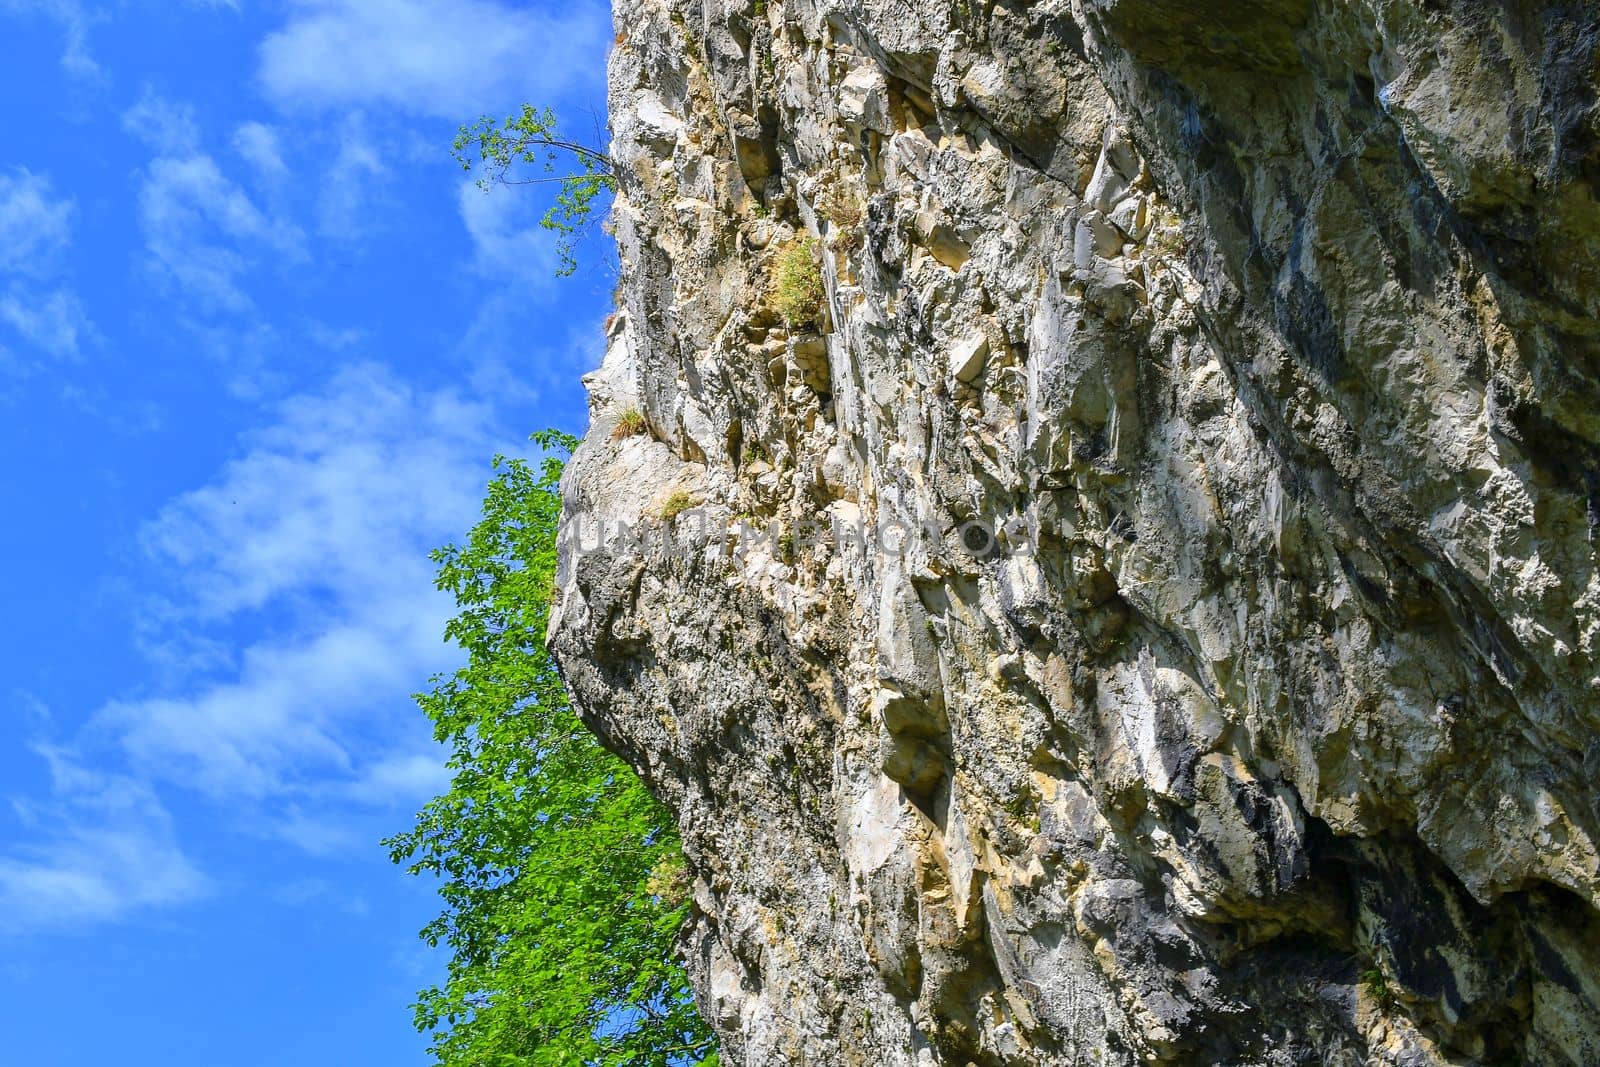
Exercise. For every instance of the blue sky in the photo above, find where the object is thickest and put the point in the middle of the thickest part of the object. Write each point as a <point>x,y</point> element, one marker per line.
<point>259,339</point>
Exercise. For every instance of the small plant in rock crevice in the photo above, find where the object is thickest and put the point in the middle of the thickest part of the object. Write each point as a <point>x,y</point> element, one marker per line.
<point>1376,985</point>
<point>844,212</point>
<point>669,880</point>
<point>798,294</point>
<point>631,423</point>
<point>677,502</point>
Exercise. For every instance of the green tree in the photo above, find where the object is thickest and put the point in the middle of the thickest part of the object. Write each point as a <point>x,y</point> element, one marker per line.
<point>562,877</point>
<point>506,151</point>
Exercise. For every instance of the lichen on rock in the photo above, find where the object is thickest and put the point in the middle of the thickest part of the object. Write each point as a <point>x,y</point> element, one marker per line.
<point>1157,621</point>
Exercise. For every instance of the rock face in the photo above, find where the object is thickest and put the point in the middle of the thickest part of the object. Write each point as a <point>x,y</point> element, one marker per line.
<point>1152,615</point>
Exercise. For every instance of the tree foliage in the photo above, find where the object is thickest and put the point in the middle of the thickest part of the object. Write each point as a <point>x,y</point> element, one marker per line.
<point>506,151</point>
<point>562,877</point>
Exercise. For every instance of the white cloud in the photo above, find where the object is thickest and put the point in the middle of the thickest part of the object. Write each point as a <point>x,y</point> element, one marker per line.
<point>52,321</point>
<point>419,774</point>
<point>76,19</point>
<point>323,528</point>
<point>203,232</point>
<point>319,832</point>
<point>258,145</point>
<point>104,847</point>
<point>35,233</point>
<point>508,243</point>
<point>308,555</point>
<point>330,498</point>
<point>334,338</point>
<point>450,58</point>
<point>165,125</point>
<point>74,22</point>
<point>35,224</point>
<point>349,200</point>
<point>276,726</point>
<point>30,707</point>
<point>513,266</point>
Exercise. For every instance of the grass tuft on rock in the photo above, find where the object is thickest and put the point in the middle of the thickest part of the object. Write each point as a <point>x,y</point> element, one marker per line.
<point>676,504</point>
<point>798,294</point>
<point>631,423</point>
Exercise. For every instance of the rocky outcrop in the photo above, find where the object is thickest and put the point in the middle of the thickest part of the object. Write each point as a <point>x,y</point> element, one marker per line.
<point>1152,615</point>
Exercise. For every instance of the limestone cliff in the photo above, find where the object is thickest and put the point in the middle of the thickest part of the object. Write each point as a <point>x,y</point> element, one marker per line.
<point>1199,664</point>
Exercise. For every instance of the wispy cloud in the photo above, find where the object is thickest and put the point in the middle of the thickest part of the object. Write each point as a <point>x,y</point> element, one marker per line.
<point>513,267</point>
<point>52,320</point>
<point>35,233</point>
<point>35,224</point>
<point>74,21</point>
<point>351,190</point>
<point>308,555</point>
<point>203,232</point>
<point>400,774</point>
<point>165,125</point>
<point>508,243</point>
<point>319,891</point>
<point>102,848</point>
<point>449,58</point>
<point>259,145</point>
<point>318,537</point>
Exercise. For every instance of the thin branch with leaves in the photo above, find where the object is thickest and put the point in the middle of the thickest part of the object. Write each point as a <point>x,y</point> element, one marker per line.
<point>504,152</point>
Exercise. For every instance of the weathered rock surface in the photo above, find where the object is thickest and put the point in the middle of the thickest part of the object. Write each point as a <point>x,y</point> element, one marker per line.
<point>1201,666</point>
